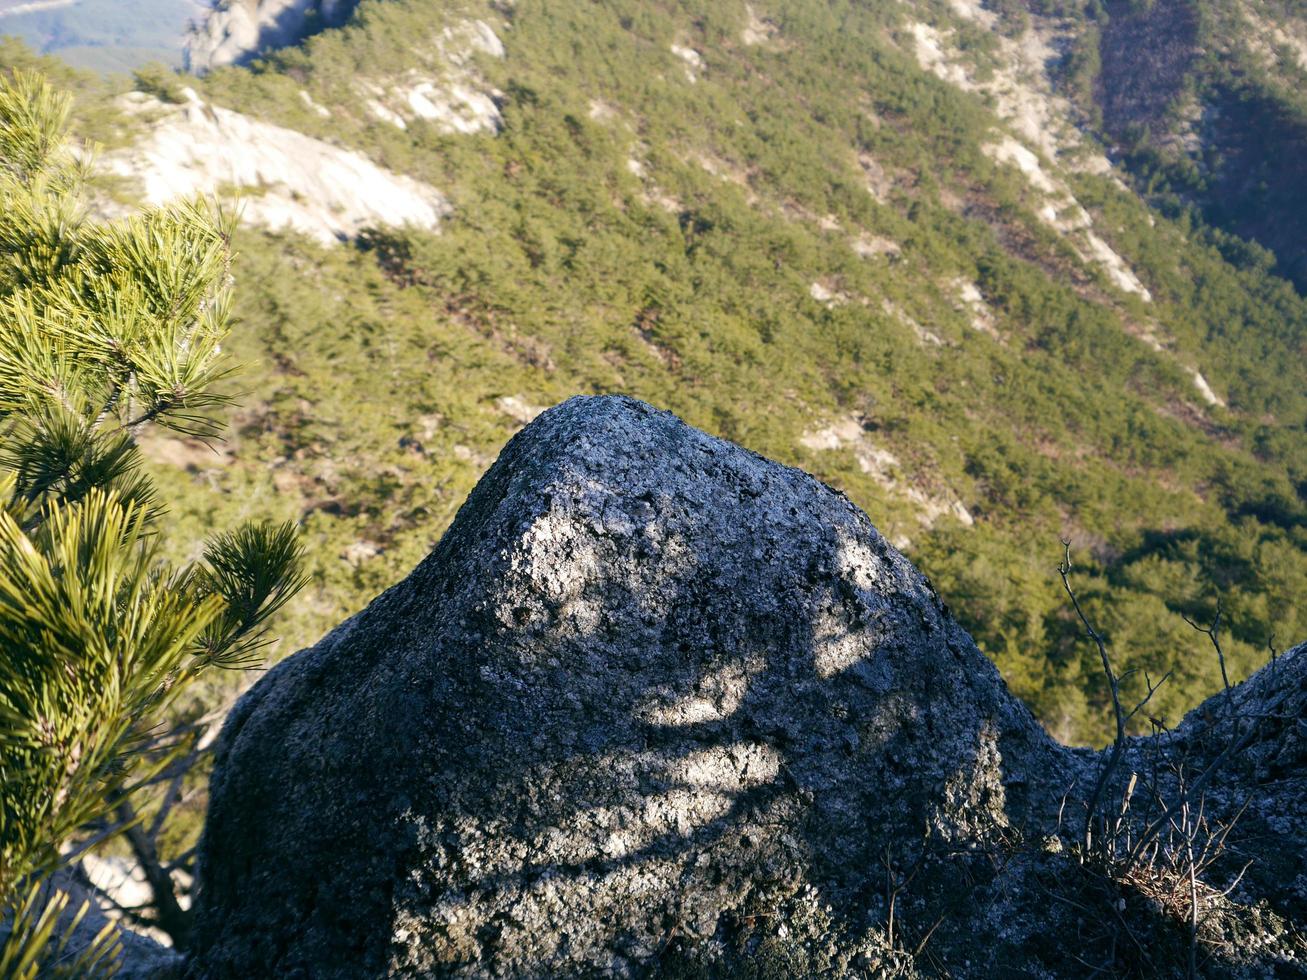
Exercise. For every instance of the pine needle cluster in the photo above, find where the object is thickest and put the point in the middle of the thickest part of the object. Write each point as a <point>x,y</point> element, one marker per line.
<point>104,328</point>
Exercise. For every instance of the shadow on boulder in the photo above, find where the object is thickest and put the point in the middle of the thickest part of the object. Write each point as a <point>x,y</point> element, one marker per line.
<point>654,705</point>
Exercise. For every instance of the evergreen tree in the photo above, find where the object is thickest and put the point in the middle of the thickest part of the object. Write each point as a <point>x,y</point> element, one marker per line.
<point>104,329</point>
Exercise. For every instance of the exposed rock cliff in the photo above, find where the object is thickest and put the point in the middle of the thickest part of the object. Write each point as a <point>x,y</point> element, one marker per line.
<point>656,704</point>
<point>447,90</point>
<point>282,179</point>
<point>237,30</point>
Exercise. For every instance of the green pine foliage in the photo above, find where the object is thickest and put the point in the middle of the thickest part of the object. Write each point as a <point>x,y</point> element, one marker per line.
<point>104,330</point>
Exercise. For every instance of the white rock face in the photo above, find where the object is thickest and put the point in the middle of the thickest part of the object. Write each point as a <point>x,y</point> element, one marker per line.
<point>449,91</point>
<point>757,30</point>
<point>868,246</point>
<point>927,337</point>
<point>385,113</point>
<point>1022,96</point>
<point>1205,390</point>
<point>237,30</point>
<point>971,301</point>
<point>518,409</point>
<point>1020,86</point>
<point>321,110</point>
<point>120,879</point>
<point>1122,276</point>
<point>1268,40</point>
<point>826,294</point>
<point>1061,211</point>
<point>884,467</point>
<point>123,882</point>
<point>692,58</point>
<point>879,183</point>
<point>288,180</point>
<point>930,48</point>
<point>602,111</point>
<point>1010,151</point>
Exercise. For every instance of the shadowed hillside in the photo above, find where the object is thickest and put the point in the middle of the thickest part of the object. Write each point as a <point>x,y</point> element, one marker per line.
<point>1204,104</point>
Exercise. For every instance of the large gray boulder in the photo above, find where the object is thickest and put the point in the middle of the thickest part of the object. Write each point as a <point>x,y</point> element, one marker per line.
<point>654,705</point>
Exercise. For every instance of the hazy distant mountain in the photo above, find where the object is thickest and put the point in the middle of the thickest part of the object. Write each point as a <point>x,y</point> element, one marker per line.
<point>110,35</point>
<point>103,35</point>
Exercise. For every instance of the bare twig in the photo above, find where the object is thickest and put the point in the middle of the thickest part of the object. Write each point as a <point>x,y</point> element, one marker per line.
<point>1108,770</point>
<point>171,917</point>
<point>1213,633</point>
<point>1199,784</point>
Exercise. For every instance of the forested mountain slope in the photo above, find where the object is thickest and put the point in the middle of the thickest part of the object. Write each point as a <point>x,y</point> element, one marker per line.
<point>875,240</point>
<point>1226,130</point>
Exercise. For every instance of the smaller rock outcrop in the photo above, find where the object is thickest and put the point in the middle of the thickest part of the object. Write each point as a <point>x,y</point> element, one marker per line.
<point>238,30</point>
<point>446,87</point>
